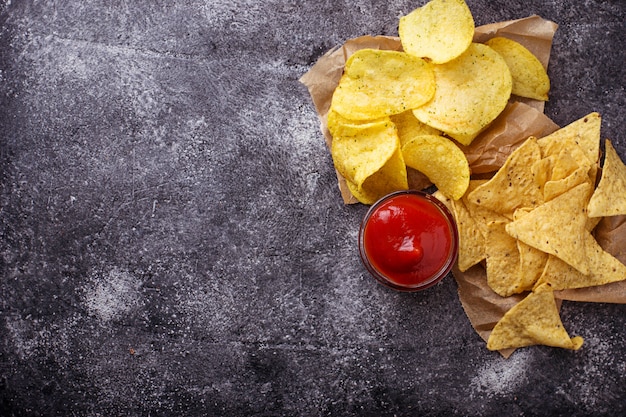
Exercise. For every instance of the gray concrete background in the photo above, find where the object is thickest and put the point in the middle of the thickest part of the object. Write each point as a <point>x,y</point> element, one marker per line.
<point>173,242</point>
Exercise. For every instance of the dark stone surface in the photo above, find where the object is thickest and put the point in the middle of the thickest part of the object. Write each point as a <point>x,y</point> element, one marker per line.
<point>173,242</point>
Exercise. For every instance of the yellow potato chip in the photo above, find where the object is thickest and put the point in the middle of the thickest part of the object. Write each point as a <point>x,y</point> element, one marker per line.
<point>441,30</point>
<point>530,78</point>
<point>409,127</point>
<point>361,149</point>
<point>557,227</point>
<point>378,83</point>
<point>392,176</point>
<point>609,198</point>
<point>503,260</point>
<point>533,321</point>
<point>513,186</point>
<point>441,161</point>
<point>604,268</point>
<point>471,91</point>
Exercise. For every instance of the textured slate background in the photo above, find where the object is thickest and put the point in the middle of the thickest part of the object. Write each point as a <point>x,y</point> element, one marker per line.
<point>173,242</point>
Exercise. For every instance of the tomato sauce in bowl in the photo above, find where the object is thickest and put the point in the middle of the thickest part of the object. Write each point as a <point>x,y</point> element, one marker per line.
<point>408,240</point>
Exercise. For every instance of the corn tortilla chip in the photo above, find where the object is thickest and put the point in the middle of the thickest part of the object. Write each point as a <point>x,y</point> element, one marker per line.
<point>604,269</point>
<point>533,321</point>
<point>502,260</point>
<point>557,227</point>
<point>552,189</point>
<point>585,132</point>
<point>514,185</point>
<point>609,198</point>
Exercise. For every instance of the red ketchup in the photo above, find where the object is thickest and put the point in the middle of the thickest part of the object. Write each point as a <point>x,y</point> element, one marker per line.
<point>408,240</point>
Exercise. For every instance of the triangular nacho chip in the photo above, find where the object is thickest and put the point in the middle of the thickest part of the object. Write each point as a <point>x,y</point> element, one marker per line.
<point>513,186</point>
<point>533,321</point>
<point>604,269</point>
<point>557,227</point>
<point>502,260</point>
<point>555,188</point>
<point>609,198</point>
<point>585,132</point>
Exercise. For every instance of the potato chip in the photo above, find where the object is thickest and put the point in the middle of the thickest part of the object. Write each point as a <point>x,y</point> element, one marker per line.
<point>441,30</point>
<point>362,149</point>
<point>557,226</point>
<point>409,127</point>
<point>471,91</point>
<point>442,162</point>
<point>392,176</point>
<point>530,78</point>
<point>378,83</point>
<point>609,198</point>
<point>513,186</point>
<point>533,321</point>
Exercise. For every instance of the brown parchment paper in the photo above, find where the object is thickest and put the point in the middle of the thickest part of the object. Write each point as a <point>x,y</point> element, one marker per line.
<point>521,119</point>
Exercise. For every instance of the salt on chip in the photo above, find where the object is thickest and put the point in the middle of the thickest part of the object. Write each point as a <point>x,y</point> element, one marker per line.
<point>378,83</point>
<point>513,186</point>
<point>441,30</point>
<point>471,91</point>
<point>557,227</point>
<point>533,321</point>
<point>609,198</point>
<point>530,78</point>
<point>441,161</point>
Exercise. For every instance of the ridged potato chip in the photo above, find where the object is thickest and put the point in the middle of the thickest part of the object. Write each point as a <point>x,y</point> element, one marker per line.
<point>378,83</point>
<point>441,30</point>
<point>530,78</point>
<point>441,161</point>
<point>471,91</point>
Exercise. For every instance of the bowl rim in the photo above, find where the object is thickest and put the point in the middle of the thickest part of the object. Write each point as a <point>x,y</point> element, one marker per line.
<point>445,268</point>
